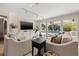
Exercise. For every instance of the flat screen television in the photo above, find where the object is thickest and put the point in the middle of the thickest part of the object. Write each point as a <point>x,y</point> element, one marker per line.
<point>26,25</point>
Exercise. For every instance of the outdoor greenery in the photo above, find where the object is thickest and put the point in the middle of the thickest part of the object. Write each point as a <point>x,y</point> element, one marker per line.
<point>69,27</point>
<point>55,28</point>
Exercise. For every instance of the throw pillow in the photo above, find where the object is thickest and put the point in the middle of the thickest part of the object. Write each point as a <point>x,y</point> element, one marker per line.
<point>56,39</point>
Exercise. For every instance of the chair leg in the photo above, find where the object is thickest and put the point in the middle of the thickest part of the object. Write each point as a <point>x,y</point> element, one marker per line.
<point>45,47</point>
<point>32,50</point>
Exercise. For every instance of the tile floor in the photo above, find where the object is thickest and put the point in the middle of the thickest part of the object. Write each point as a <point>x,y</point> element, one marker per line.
<point>1,48</point>
<point>35,52</point>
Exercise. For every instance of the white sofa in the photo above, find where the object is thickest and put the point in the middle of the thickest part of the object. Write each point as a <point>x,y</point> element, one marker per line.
<point>65,49</point>
<point>13,47</point>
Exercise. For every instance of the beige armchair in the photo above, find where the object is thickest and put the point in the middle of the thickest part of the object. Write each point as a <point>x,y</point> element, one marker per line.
<point>13,47</point>
<point>65,49</point>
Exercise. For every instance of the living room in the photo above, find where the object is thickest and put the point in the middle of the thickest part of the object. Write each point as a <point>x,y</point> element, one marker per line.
<point>29,26</point>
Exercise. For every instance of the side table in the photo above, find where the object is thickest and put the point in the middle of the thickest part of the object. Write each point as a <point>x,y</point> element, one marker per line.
<point>39,46</point>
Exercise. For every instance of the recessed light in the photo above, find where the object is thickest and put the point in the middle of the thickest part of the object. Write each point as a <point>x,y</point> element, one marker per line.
<point>30,5</point>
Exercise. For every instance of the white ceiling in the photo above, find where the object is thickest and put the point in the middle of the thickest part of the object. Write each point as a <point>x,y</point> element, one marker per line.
<point>45,10</point>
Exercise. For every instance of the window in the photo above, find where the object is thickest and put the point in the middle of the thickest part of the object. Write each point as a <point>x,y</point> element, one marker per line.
<point>70,25</point>
<point>54,27</point>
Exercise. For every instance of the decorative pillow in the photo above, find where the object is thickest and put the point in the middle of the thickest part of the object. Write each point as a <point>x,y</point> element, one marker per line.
<point>56,39</point>
<point>50,53</point>
<point>66,37</point>
<point>64,40</point>
<point>53,38</point>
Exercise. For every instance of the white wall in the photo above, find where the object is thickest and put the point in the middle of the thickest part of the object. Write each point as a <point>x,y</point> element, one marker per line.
<point>17,15</point>
<point>15,18</point>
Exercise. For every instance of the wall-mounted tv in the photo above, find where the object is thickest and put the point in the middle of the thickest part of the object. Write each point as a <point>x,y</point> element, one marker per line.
<point>26,25</point>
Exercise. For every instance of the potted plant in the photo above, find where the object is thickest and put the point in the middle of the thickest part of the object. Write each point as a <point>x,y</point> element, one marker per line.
<point>13,27</point>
